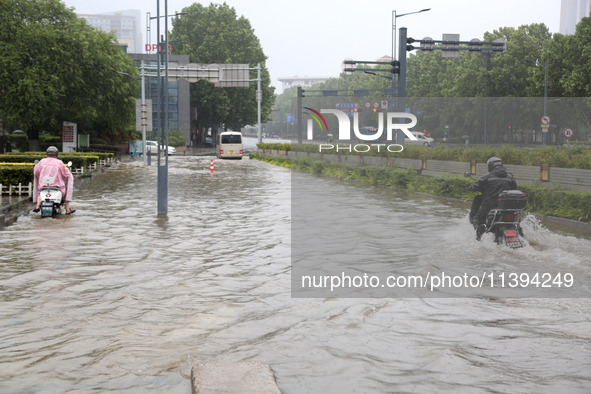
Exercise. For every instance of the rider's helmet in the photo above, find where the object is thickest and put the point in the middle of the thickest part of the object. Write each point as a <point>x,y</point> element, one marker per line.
<point>493,162</point>
<point>52,151</point>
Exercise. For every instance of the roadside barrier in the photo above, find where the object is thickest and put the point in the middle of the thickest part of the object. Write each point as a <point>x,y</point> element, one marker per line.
<point>19,189</point>
<point>546,175</point>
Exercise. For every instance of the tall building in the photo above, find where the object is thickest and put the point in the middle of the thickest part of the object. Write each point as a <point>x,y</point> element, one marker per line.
<point>571,13</point>
<point>126,25</point>
<point>179,116</point>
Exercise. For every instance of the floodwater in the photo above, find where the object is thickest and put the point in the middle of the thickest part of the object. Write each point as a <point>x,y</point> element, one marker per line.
<point>116,299</point>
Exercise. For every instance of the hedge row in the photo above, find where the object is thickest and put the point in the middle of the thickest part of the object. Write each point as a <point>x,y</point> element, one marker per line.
<point>62,155</point>
<point>564,157</point>
<point>78,160</point>
<point>15,173</point>
<point>541,200</point>
<point>12,171</point>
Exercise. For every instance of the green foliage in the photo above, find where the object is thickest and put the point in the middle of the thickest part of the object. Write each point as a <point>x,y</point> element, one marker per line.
<point>18,142</point>
<point>18,168</point>
<point>564,157</point>
<point>176,138</point>
<point>541,200</point>
<point>215,34</point>
<point>54,67</point>
<point>15,174</point>
<point>278,161</point>
<point>79,160</point>
<point>562,203</point>
<point>275,146</point>
<point>516,73</point>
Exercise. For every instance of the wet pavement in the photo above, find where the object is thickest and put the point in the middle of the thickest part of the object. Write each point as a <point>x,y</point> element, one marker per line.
<point>117,299</point>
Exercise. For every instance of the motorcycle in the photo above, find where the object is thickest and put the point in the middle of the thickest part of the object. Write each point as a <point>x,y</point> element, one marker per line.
<point>51,197</point>
<point>504,220</point>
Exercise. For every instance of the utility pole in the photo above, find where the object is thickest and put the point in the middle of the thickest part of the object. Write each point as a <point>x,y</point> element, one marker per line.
<point>401,80</point>
<point>300,115</point>
<point>448,48</point>
<point>259,100</point>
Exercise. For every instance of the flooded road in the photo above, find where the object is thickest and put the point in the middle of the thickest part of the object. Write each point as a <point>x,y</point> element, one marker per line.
<point>115,299</point>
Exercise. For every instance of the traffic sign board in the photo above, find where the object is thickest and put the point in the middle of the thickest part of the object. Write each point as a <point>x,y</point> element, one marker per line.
<point>568,133</point>
<point>545,120</point>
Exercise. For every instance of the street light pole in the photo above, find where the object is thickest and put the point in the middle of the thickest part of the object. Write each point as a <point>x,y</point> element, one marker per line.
<point>545,87</point>
<point>144,111</point>
<point>259,97</point>
<point>535,63</point>
<point>394,17</point>
<point>402,65</point>
<point>162,183</point>
<point>149,48</point>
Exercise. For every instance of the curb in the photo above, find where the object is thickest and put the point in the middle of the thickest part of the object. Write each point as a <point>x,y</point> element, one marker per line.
<point>11,212</point>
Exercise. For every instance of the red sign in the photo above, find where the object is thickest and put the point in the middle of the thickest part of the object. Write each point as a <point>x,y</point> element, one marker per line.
<point>154,47</point>
<point>68,133</point>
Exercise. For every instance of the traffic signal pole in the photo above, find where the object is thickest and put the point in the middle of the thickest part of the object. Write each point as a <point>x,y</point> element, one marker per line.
<point>401,79</point>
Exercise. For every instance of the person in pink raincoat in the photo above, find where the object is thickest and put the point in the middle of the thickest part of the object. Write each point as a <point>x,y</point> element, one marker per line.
<point>54,167</point>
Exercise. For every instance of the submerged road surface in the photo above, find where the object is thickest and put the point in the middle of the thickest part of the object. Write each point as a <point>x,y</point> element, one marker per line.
<point>116,299</point>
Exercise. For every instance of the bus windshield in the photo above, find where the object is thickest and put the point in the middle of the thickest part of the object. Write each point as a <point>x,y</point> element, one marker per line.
<point>231,139</point>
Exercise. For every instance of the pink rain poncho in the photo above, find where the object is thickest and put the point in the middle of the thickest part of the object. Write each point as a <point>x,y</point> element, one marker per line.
<point>54,167</point>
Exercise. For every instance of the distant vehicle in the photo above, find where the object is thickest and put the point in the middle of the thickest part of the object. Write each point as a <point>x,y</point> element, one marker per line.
<point>229,145</point>
<point>152,148</point>
<point>368,130</point>
<point>422,139</point>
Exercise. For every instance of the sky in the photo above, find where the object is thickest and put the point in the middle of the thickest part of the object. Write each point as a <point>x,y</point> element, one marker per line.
<point>313,37</point>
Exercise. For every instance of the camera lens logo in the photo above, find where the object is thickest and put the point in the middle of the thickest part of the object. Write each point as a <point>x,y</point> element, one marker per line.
<point>319,120</point>
<point>388,123</point>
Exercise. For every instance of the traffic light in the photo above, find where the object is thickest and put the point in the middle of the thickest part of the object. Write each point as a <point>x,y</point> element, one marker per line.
<point>395,67</point>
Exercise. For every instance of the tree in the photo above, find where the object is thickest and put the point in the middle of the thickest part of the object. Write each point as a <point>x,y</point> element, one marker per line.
<point>569,65</point>
<point>216,35</point>
<point>577,83</point>
<point>55,68</point>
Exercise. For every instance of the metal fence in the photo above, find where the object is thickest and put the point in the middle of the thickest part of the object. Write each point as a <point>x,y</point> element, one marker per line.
<point>545,175</point>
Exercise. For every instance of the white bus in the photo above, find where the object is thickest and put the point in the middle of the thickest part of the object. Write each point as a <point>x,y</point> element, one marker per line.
<point>229,145</point>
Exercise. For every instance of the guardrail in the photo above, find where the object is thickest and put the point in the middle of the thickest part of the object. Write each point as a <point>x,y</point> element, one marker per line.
<point>545,175</point>
<point>19,189</point>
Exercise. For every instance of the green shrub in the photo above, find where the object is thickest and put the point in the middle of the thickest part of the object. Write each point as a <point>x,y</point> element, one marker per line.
<point>278,161</point>
<point>14,174</point>
<point>176,138</point>
<point>564,157</point>
<point>18,142</point>
<point>567,204</point>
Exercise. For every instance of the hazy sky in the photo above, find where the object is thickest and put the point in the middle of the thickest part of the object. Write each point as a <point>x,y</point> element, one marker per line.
<point>313,37</point>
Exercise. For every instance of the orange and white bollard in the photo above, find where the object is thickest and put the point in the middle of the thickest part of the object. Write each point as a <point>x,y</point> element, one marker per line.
<point>211,166</point>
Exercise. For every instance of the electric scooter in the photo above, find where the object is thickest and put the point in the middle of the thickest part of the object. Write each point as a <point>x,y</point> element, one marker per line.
<point>51,197</point>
